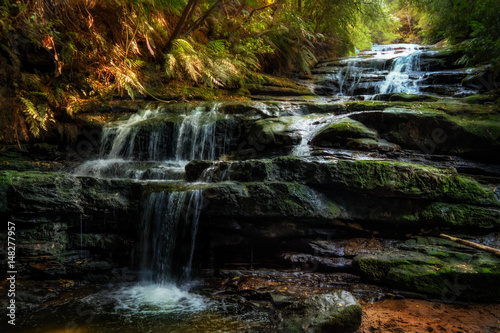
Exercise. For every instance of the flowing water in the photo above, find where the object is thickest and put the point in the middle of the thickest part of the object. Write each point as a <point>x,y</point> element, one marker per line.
<point>382,70</point>
<point>155,146</point>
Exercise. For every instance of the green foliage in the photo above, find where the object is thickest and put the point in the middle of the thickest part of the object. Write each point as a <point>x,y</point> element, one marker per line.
<point>91,51</point>
<point>473,23</point>
<point>210,64</point>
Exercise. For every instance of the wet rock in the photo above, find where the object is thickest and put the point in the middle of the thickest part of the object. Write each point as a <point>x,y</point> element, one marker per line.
<point>337,311</point>
<point>435,267</point>
<point>482,79</point>
<point>274,132</point>
<point>195,168</point>
<point>270,199</point>
<point>340,132</point>
<point>393,97</point>
<point>362,144</point>
<point>441,59</point>
<point>39,193</point>
<point>492,97</point>
<point>323,264</point>
<point>385,178</point>
<point>434,132</point>
<point>346,247</point>
<point>443,77</point>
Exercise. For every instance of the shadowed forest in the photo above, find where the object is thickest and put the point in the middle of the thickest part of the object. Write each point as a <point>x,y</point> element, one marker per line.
<point>60,58</point>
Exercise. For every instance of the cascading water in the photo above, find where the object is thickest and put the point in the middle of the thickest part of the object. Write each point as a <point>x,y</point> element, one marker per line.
<point>167,216</point>
<point>403,75</point>
<point>381,70</point>
<point>156,145</point>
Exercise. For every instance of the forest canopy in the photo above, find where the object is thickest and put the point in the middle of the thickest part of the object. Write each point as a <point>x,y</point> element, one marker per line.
<point>58,58</point>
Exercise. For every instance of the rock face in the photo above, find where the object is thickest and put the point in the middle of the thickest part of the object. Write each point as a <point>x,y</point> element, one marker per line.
<point>62,219</point>
<point>337,311</point>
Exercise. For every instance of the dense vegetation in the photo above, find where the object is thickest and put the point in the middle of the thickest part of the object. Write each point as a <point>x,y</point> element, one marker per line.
<point>58,58</point>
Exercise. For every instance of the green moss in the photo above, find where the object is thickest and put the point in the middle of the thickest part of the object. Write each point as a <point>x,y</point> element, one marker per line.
<point>434,266</point>
<point>365,105</point>
<point>411,97</point>
<point>5,181</point>
<point>412,179</point>
<point>348,128</point>
<point>491,97</point>
<point>461,215</point>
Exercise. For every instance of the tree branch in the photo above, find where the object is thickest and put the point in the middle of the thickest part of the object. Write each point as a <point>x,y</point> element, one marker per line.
<point>200,20</point>
<point>472,244</point>
<point>188,11</point>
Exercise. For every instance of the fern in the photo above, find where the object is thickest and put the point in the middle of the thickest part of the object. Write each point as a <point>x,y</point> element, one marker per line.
<point>37,116</point>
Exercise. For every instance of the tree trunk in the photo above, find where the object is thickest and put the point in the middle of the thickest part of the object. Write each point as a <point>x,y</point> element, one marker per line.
<point>186,14</point>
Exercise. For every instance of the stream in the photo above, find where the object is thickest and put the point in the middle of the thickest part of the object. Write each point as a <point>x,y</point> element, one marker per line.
<point>226,214</point>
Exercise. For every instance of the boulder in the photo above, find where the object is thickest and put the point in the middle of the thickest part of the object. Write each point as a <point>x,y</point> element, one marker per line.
<point>342,132</point>
<point>337,311</point>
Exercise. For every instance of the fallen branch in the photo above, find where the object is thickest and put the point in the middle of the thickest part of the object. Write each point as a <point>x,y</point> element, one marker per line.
<point>472,244</point>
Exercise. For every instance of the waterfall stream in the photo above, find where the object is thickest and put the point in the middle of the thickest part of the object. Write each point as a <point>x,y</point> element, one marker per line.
<point>154,146</point>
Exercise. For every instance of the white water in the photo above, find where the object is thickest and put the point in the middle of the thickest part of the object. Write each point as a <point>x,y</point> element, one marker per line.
<point>307,127</point>
<point>155,298</point>
<point>383,69</point>
<point>403,75</point>
<point>151,146</point>
<point>162,152</point>
<point>167,215</point>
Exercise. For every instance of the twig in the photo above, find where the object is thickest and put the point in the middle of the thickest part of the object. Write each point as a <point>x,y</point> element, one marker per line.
<point>472,244</point>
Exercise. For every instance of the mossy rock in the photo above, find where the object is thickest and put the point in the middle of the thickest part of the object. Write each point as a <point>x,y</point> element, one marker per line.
<point>269,90</point>
<point>267,199</point>
<point>5,181</point>
<point>362,144</point>
<point>39,192</point>
<point>274,132</point>
<point>460,215</point>
<point>339,133</point>
<point>387,179</point>
<point>492,97</point>
<point>437,268</point>
<point>468,133</point>
<point>406,97</point>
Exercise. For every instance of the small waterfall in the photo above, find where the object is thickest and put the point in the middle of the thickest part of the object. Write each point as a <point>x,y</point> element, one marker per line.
<point>170,222</point>
<point>156,145</point>
<point>196,136</point>
<point>383,69</point>
<point>349,77</point>
<point>403,75</point>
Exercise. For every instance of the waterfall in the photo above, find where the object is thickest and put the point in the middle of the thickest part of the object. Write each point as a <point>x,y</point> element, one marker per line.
<point>383,69</point>
<point>403,75</point>
<point>168,216</point>
<point>349,77</point>
<point>157,145</point>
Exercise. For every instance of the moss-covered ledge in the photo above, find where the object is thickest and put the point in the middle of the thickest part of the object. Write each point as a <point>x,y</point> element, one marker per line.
<point>434,267</point>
